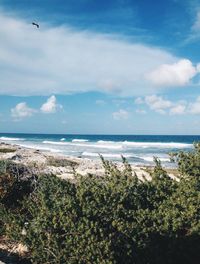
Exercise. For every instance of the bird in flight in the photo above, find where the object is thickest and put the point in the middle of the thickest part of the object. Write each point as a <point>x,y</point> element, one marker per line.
<point>35,24</point>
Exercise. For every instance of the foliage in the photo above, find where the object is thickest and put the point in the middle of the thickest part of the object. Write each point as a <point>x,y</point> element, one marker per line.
<point>7,150</point>
<point>112,219</point>
<point>188,162</point>
<point>16,183</point>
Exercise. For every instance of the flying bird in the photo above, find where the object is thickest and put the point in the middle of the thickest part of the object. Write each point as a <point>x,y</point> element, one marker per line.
<point>35,24</point>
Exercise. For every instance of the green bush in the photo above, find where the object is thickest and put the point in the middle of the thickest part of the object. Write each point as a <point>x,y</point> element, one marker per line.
<point>16,183</point>
<point>188,162</point>
<point>113,219</point>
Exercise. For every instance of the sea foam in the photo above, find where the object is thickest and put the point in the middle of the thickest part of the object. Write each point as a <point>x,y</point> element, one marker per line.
<point>83,144</point>
<point>133,144</point>
<point>106,155</point>
<point>80,140</point>
<point>156,144</point>
<point>11,139</point>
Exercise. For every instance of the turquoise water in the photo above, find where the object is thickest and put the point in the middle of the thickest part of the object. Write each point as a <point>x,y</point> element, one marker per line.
<point>138,149</point>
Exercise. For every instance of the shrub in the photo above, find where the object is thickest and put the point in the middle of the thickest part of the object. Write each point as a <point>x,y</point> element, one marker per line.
<point>113,219</point>
<point>16,183</point>
<point>188,162</point>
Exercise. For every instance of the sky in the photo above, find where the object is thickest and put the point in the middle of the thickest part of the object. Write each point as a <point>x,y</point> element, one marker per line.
<point>100,67</point>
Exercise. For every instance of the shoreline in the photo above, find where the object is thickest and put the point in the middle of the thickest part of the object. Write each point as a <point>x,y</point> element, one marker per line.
<point>138,150</point>
<point>61,165</point>
<point>58,164</point>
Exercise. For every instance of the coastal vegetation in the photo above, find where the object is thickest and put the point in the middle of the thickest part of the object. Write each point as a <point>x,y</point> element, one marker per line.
<point>7,150</point>
<point>117,218</point>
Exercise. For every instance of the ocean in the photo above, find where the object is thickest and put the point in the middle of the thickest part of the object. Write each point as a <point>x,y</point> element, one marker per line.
<point>137,149</point>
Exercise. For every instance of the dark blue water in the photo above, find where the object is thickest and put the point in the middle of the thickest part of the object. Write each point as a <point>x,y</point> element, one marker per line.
<point>136,138</point>
<point>138,149</point>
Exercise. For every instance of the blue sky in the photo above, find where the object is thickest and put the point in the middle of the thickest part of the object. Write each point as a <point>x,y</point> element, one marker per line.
<point>103,67</point>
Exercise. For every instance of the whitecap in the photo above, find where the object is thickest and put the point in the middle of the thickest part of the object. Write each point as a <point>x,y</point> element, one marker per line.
<point>55,143</point>
<point>80,140</point>
<point>89,145</point>
<point>151,159</point>
<point>106,155</point>
<point>156,144</point>
<point>106,142</point>
<point>11,139</point>
<point>40,148</point>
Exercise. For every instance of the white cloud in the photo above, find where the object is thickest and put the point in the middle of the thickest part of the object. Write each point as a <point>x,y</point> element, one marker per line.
<point>59,60</point>
<point>163,106</point>
<point>121,114</point>
<point>21,111</point>
<point>194,108</point>
<point>175,74</point>
<point>157,103</point>
<point>179,109</point>
<point>50,106</point>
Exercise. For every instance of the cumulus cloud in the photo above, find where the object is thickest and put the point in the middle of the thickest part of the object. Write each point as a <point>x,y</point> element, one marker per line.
<point>61,60</point>
<point>157,103</point>
<point>178,109</point>
<point>121,114</point>
<point>194,108</point>
<point>21,111</point>
<point>50,106</point>
<point>163,106</point>
<point>176,74</point>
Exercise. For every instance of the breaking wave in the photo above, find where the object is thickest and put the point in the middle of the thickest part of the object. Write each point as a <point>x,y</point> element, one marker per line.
<point>11,139</point>
<point>80,140</point>
<point>106,155</point>
<point>156,144</point>
<point>89,145</point>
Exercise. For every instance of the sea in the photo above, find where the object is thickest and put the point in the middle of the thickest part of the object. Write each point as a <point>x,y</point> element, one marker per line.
<point>137,149</point>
